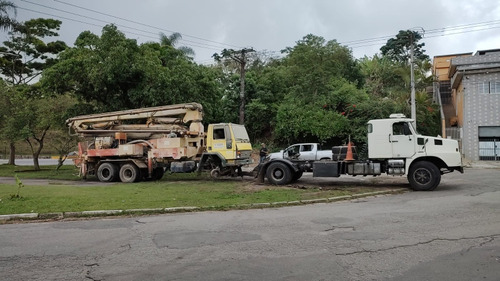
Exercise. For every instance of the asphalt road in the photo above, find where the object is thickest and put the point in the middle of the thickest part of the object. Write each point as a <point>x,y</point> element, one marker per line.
<point>452,233</point>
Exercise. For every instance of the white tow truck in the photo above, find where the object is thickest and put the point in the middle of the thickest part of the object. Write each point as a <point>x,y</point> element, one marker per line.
<point>394,148</point>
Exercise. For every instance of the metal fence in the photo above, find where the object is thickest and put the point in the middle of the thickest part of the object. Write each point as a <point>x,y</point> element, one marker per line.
<point>453,132</point>
<point>489,149</point>
<point>445,92</point>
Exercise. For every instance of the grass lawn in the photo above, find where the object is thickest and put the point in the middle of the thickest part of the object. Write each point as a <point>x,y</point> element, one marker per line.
<point>66,172</point>
<point>175,190</point>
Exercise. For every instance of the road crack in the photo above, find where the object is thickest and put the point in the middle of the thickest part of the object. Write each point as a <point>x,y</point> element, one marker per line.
<point>490,238</point>
<point>89,271</point>
<point>334,228</point>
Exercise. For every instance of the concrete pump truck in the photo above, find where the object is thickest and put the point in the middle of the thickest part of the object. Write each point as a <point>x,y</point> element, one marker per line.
<point>138,144</point>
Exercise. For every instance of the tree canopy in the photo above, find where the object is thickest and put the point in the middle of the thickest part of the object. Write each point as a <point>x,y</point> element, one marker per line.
<point>6,21</point>
<point>111,72</point>
<point>398,48</point>
<point>316,92</point>
<point>25,55</point>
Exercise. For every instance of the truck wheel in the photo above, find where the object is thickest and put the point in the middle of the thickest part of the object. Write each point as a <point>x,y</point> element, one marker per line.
<point>424,176</point>
<point>157,173</point>
<point>215,173</point>
<point>107,172</point>
<point>129,173</point>
<point>279,174</point>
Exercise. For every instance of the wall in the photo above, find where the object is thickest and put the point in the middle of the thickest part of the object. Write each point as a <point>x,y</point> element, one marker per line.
<point>479,110</point>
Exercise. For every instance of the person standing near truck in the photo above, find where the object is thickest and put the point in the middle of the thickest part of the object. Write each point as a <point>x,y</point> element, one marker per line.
<point>263,152</point>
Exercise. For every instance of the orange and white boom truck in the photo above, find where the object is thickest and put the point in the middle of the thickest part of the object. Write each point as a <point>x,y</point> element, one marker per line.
<point>139,144</point>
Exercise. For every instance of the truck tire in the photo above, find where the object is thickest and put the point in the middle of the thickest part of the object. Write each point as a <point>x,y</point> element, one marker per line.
<point>424,176</point>
<point>157,173</point>
<point>215,173</point>
<point>107,172</point>
<point>129,173</point>
<point>279,173</point>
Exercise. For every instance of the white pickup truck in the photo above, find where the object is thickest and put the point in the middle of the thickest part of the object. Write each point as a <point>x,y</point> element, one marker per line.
<point>302,152</point>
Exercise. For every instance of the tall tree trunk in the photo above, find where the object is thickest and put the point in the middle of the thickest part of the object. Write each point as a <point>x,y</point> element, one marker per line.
<point>36,154</point>
<point>60,162</point>
<point>35,150</point>
<point>12,155</point>
<point>36,164</point>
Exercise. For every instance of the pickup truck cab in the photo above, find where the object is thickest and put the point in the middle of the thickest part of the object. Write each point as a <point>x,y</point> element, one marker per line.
<point>302,152</point>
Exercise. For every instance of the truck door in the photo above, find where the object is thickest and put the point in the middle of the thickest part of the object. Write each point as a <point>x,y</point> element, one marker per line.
<point>292,152</point>
<point>307,152</point>
<point>222,141</point>
<point>403,140</point>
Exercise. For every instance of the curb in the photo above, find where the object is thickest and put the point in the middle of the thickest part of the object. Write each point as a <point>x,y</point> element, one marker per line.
<point>97,213</point>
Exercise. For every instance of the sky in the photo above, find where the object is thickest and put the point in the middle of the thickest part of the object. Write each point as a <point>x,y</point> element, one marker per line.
<point>269,26</point>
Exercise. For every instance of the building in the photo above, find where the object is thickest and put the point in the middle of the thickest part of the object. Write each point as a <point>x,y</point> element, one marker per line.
<point>443,95</point>
<point>470,98</point>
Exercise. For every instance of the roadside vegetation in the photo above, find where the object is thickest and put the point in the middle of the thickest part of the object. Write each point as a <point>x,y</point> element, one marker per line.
<point>66,172</point>
<point>176,190</point>
<point>315,91</point>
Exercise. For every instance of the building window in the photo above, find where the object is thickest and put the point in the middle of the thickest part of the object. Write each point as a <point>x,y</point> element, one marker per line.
<point>484,88</point>
<point>495,87</point>
<point>490,87</point>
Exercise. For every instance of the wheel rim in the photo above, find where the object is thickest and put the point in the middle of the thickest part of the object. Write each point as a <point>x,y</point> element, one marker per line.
<point>215,173</point>
<point>127,173</point>
<point>278,174</point>
<point>422,176</point>
<point>106,173</point>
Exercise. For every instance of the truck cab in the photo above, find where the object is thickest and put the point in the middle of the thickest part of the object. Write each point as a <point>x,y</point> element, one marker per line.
<point>397,138</point>
<point>228,145</point>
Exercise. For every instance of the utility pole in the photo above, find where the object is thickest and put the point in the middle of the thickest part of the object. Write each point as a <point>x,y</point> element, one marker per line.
<point>412,85</point>
<point>241,58</point>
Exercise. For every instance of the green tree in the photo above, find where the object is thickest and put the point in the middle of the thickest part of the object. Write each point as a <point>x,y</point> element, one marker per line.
<point>60,139</point>
<point>428,116</point>
<point>27,53</point>
<point>111,72</point>
<point>398,48</point>
<point>313,61</point>
<point>172,40</point>
<point>24,56</point>
<point>37,116</point>
<point>240,59</point>
<point>6,21</point>
<point>384,77</point>
<point>8,124</point>
<point>266,88</point>
<point>397,52</point>
<point>321,83</point>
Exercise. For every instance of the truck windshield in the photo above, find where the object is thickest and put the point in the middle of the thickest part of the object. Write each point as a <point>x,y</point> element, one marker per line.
<point>240,133</point>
